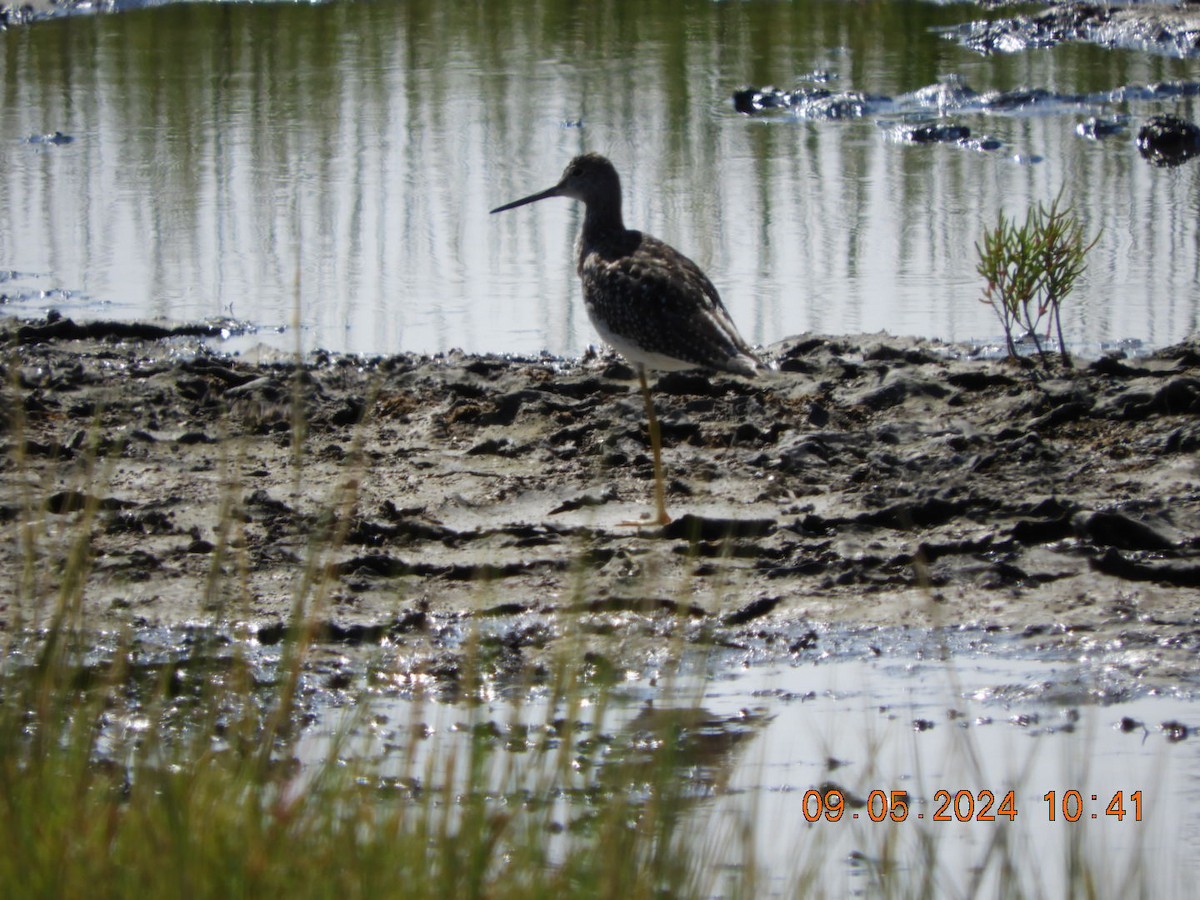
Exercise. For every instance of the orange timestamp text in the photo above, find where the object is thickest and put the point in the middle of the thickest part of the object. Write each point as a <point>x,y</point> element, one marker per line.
<point>832,804</point>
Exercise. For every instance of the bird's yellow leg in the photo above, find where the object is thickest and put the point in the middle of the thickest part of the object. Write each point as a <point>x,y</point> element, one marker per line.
<point>660,488</point>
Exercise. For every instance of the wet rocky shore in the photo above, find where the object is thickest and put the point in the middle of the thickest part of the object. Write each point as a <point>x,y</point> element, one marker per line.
<point>868,481</point>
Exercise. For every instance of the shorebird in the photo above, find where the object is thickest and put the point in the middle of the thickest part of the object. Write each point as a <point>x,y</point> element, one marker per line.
<point>648,301</point>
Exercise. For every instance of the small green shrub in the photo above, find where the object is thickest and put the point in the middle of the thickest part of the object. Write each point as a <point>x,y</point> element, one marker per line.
<point>1029,269</point>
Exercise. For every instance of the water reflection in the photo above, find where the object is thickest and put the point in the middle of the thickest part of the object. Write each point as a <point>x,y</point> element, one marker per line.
<point>334,165</point>
<point>755,745</point>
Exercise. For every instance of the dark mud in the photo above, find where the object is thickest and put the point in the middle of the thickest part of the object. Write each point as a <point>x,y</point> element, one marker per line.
<point>869,482</point>
<point>1163,29</point>
<point>25,11</point>
<point>927,115</point>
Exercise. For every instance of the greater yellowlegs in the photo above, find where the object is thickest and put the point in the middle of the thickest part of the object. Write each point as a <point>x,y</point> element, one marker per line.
<point>648,301</point>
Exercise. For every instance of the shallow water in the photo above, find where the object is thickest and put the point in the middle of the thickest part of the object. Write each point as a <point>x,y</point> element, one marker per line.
<point>333,165</point>
<point>969,714</point>
<point>975,729</point>
<point>947,722</point>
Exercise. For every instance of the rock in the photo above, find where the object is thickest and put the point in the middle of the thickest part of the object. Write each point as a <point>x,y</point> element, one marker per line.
<point>1114,529</point>
<point>702,528</point>
<point>755,609</point>
<point>1113,563</point>
<point>1168,141</point>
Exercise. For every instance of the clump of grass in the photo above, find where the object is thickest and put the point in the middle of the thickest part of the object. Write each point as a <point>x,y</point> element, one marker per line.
<point>121,779</point>
<point>1029,269</point>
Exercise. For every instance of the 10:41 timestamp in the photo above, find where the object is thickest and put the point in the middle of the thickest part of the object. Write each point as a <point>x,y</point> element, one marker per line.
<point>1072,805</point>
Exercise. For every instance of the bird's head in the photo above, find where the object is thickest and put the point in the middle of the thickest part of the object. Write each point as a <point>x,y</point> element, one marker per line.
<point>589,177</point>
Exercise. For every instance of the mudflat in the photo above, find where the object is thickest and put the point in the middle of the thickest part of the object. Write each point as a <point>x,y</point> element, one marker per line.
<point>868,481</point>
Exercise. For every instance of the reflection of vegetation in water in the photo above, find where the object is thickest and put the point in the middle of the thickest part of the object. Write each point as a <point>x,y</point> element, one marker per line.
<point>218,147</point>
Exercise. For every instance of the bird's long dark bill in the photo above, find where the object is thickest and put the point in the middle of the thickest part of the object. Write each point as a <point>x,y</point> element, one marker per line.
<point>550,192</point>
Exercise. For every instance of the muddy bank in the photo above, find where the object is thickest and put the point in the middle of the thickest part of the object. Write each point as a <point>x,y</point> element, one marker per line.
<point>870,481</point>
<point>26,11</point>
<point>1164,29</point>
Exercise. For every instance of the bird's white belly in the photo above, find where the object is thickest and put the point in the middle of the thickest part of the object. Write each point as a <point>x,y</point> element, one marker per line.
<point>635,354</point>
